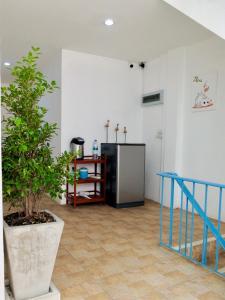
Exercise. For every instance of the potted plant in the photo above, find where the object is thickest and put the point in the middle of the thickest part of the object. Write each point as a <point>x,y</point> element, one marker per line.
<point>29,171</point>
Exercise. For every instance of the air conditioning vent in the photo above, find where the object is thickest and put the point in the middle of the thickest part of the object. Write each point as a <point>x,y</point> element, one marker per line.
<point>153,98</point>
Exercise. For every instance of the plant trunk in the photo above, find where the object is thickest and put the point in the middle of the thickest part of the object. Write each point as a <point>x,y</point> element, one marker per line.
<point>29,206</point>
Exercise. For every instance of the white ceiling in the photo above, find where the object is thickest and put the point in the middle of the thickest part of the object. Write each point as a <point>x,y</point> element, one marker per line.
<point>143,29</point>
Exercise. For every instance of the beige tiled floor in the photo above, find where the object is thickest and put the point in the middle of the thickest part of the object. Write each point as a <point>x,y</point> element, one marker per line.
<point>106,253</point>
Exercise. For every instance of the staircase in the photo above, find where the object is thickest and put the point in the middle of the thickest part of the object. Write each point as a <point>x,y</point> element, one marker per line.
<point>188,230</point>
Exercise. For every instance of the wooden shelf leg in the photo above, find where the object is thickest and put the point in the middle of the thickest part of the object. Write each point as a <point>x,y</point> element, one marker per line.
<point>67,190</point>
<point>104,184</point>
<point>75,186</point>
<point>95,184</point>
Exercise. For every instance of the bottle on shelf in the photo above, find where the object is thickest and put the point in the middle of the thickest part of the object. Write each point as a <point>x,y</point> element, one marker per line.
<point>95,149</point>
<point>72,171</point>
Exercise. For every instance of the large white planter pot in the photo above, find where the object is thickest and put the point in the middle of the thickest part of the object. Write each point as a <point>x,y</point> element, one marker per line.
<point>31,252</point>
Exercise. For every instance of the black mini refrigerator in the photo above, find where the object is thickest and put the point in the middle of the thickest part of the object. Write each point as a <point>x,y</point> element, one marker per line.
<point>125,176</point>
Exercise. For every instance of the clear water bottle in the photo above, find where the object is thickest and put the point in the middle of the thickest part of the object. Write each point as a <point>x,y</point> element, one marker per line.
<point>72,172</point>
<point>95,149</point>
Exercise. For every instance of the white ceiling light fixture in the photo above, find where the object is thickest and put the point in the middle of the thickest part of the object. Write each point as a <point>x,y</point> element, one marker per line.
<point>109,22</point>
<point>7,64</point>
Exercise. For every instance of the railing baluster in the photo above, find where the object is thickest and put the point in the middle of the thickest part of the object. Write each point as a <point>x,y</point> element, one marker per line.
<point>186,228</point>
<point>192,221</point>
<point>161,207</point>
<point>181,219</point>
<point>218,226</point>
<point>190,225</point>
<point>205,230</point>
<point>171,212</point>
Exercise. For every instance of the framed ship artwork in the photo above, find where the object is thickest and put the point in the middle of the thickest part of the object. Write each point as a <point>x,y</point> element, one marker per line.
<point>204,91</point>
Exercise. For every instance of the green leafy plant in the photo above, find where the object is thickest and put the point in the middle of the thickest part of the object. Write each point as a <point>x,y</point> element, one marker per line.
<point>28,168</point>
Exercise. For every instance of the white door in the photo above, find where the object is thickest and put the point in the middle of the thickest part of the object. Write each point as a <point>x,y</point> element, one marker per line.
<point>152,136</point>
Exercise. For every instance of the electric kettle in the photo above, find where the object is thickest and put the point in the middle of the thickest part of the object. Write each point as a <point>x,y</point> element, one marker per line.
<point>77,147</point>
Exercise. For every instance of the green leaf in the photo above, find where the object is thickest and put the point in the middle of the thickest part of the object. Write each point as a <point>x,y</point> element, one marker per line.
<point>18,122</point>
<point>23,148</point>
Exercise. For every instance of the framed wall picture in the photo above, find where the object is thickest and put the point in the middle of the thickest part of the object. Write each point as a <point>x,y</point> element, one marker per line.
<point>204,91</point>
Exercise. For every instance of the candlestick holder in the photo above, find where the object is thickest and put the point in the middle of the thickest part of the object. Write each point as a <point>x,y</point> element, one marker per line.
<point>116,130</point>
<point>107,131</point>
<point>125,134</point>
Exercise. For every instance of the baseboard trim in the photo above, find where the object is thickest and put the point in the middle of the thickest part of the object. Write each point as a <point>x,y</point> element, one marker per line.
<point>127,205</point>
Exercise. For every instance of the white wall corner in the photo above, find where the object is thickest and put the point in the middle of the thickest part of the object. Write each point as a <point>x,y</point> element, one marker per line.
<point>174,116</point>
<point>173,109</point>
<point>181,113</point>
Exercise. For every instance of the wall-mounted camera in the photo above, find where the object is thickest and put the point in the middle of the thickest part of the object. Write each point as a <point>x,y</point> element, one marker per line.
<point>142,64</point>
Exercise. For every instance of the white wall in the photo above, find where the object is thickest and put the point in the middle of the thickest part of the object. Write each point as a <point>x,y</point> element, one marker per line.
<point>164,73</point>
<point>194,143</point>
<point>204,142</point>
<point>95,89</point>
<point>50,65</point>
<point>205,130</point>
<point>155,75</point>
<point>210,14</point>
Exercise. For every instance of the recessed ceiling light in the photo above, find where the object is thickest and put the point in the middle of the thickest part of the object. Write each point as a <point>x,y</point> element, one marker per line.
<point>109,22</point>
<point>7,64</point>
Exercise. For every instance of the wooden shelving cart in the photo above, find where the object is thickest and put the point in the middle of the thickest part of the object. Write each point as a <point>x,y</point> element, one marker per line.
<point>98,193</point>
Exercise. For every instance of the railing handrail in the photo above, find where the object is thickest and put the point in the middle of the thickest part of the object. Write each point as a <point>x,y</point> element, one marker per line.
<point>175,176</point>
<point>189,190</point>
<point>201,213</point>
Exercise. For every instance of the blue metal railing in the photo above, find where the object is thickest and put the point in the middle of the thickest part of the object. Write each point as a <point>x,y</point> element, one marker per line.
<point>186,229</point>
